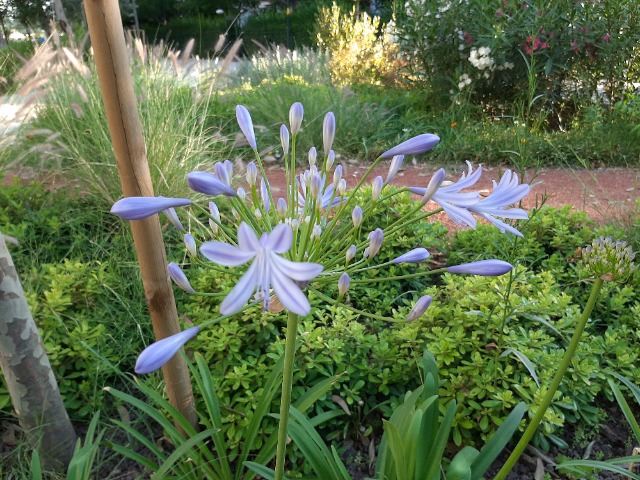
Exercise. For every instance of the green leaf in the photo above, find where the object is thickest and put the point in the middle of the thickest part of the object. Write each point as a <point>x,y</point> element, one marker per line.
<point>575,465</point>
<point>525,361</point>
<point>497,442</point>
<point>397,450</point>
<point>626,410</point>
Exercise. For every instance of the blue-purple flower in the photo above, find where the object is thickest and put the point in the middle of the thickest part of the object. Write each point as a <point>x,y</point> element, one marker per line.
<point>484,268</point>
<point>413,146</point>
<point>267,270</point>
<point>136,208</point>
<point>328,132</point>
<point>157,354</point>
<point>507,192</point>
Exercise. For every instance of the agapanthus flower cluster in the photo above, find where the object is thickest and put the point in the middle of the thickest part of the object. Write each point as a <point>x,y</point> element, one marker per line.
<point>312,238</point>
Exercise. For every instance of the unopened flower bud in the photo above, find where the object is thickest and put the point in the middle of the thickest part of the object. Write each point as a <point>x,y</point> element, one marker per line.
<point>328,131</point>
<point>264,193</point>
<point>180,279</point>
<point>483,268</point>
<point>258,214</point>
<point>296,112</point>
<point>222,172</point>
<point>394,168</point>
<point>375,242</point>
<point>215,213</point>
<point>235,214</point>
<point>190,243</point>
<point>252,174</point>
<point>173,218</point>
<point>317,231</point>
<point>337,176</point>
<point>376,188</point>
<point>246,125</point>
<point>419,308</point>
<point>416,255</point>
<point>242,194</point>
<point>157,354</point>
<point>313,155</point>
<point>281,208</point>
<point>331,157</point>
<point>209,184</point>
<point>351,253</point>
<point>316,186</point>
<point>343,284</point>
<point>136,208</point>
<point>434,185</point>
<point>342,186</point>
<point>284,139</point>
<point>356,216</point>
<point>413,146</point>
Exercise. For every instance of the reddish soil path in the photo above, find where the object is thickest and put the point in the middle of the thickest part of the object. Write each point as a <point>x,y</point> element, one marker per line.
<point>606,194</point>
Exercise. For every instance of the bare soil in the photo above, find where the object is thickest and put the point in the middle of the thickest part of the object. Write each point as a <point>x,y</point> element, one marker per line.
<point>606,194</point>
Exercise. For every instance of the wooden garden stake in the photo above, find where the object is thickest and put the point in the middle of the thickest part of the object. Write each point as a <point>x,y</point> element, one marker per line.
<point>116,83</point>
<point>24,362</point>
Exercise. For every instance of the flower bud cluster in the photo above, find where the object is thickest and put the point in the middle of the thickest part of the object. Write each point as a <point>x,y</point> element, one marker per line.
<point>609,260</point>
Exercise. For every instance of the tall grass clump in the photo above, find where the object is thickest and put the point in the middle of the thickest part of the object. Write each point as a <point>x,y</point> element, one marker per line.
<point>275,62</point>
<point>172,113</point>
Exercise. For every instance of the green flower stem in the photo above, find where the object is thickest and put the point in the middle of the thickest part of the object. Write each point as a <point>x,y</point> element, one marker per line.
<point>555,383</point>
<point>285,399</point>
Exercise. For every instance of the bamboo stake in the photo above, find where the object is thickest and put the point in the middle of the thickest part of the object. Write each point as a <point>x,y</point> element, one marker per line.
<point>113,67</point>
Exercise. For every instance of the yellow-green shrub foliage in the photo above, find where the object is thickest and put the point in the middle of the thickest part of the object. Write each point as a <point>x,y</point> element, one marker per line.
<point>362,48</point>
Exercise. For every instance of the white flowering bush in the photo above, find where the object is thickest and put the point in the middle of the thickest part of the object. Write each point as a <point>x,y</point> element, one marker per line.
<point>494,50</point>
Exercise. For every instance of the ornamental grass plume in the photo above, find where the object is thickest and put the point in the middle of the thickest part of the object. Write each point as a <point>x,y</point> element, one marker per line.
<point>312,239</point>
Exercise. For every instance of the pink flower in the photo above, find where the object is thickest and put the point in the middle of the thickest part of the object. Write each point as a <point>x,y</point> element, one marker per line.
<point>606,38</point>
<point>499,13</point>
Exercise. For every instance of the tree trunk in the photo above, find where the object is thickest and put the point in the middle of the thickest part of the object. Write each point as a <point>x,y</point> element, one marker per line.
<point>61,19</point>
<point>27,371</point>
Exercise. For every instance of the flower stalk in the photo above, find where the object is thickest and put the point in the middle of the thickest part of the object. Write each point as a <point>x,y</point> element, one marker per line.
<point>285,397</point>
<point>555,383</point>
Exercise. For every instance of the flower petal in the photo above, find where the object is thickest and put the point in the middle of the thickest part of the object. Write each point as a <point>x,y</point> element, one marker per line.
<point>300,271</point>
<point>247,239</point>
<point>179,278</point>
<point>289,293</point>
<point>238,296</point>
<point>225,254</point>
<point>280,239</point>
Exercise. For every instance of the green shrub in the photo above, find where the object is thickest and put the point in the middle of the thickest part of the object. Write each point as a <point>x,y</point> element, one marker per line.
<point>362,48</point>
<point>493,338</point>
<point>486,50</point>
<point>78,270</point>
